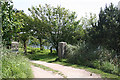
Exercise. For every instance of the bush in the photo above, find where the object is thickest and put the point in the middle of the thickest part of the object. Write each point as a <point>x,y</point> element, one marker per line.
<point>93,56</point>
<point>96,64</point>
<point>15,65</point>
<point>104,54</point>
<point>108,67</point>
<point>70,51</point>
<point>80,53</point>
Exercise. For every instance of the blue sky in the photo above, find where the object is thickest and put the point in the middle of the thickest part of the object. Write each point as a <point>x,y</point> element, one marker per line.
<point>81,7</point>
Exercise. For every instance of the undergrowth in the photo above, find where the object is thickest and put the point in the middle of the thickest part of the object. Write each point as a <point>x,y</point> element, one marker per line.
<point>92,56</point>
<point>15,65</point>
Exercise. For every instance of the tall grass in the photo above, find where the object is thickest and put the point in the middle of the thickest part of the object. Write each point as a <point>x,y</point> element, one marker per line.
<point>94,56</point>
<point>15,65</point>
<point>0,59</point>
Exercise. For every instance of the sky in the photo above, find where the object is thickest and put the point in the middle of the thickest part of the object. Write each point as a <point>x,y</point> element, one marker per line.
<point>81,7</point>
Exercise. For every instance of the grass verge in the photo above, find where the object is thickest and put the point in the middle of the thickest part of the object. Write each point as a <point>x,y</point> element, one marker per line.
<point>49,69</point>
<point>15,65</point>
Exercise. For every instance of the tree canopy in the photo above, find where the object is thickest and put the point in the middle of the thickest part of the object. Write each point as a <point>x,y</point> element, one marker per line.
<point>8,22</point>
<point>107,32</point>
<point>57,24</point>
<point>61,24</point>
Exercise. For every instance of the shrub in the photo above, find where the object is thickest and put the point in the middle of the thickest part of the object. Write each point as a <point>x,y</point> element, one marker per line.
<point>15,65</point>
<point>96,64</point>
<point>93,56</point>
<point>70,50</point>
<point>104,54</point>
<point>80,53</point>
<point>108,67</point>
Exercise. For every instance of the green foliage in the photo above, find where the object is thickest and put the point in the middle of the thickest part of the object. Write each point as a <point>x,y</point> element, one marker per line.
<point>33,41</point>
<point>96,64</point>
<point>32,50</point>
<point>70,50</point>
<point>108,67</point>
<point>61,24</point>
<point>107,32</point>
<point>40,26</point>
<point>1,48</point>
<point>104,34</point>
<point>81,53</point>
<point>56,24</point>
<point>45,55</point>
<point>25,30</point>
<point>89,21</point>
<point>9,22</point>
<point>89,55</point>
<point>15,66</point>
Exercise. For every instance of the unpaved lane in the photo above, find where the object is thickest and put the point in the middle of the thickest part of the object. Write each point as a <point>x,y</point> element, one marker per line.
<point>69,71</point>
<point>40,73</point>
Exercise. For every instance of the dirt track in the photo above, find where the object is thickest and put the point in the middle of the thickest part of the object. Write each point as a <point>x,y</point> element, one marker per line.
<point>67,71</point>
<point>40,73</point>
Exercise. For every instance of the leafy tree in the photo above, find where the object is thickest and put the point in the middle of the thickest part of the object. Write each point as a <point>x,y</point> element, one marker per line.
<point>8,22</point>
<point>62,24</point>
<point>88,23</point>
<point>40,26</point>
<point>26,28</point>
<point>107,32</point>
<point>33,41</point>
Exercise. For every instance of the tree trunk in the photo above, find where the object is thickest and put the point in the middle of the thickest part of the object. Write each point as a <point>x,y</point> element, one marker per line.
<point>25,48</point>
<point>56,49</point>
<point>40,43</point>
<point>51,49</point>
